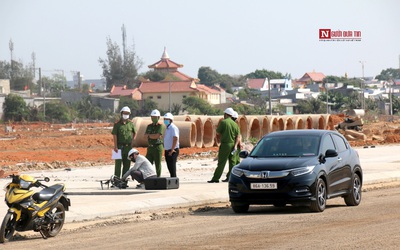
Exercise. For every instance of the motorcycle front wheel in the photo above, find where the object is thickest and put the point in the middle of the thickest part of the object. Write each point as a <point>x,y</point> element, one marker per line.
<point>7,227</point>
<point>56,221</point>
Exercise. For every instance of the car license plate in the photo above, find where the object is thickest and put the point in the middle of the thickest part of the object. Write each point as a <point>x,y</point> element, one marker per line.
<point>269,185</point>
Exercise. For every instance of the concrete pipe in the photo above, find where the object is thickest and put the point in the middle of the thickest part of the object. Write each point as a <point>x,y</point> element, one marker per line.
<point>187,133</point>
<point>207,130</point>
<point>273,123</point>
<point>199,128</point>
<point>281,123</point>
<point>288,123</point>
<point>242,121</point>
<point>185,118</point>
<point>298,122</point>
<point>318,121</point>
<point>307,120</point>
<point>140,126</point>
<point>208,136</point>
<point>328,122</point>
<point>215,121</point>
<point>264,123</point>
<point>254,127</point>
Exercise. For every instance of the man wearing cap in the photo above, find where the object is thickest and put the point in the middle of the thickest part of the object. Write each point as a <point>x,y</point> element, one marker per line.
<point>171,143</point>
<point>227,134</point>
<point>141,170</point>
<point>124,133</point>
<point>154,132</point>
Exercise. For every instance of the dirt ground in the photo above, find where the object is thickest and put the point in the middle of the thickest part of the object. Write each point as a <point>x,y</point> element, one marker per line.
<point>34,146</point>
<point>371,225</point>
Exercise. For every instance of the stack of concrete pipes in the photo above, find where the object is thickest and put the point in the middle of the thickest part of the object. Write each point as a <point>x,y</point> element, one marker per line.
<point>200,131</point>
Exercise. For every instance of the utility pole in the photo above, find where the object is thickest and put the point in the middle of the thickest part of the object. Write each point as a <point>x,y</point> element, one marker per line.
<point>79,80</point>
<point>269,96</point>
<point>33,56</point>
<point>362,85</point>
<point>11,46</point>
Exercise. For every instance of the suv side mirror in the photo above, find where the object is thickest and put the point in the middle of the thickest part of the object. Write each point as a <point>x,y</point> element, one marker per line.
<point>331,153</point>
<point>243,154</point>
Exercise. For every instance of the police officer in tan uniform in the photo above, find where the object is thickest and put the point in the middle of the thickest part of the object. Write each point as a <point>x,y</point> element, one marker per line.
<point>154,133</point>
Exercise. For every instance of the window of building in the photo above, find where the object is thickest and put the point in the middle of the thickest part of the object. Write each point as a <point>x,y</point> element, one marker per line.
<point>150,97</point>
<point>158,97</point>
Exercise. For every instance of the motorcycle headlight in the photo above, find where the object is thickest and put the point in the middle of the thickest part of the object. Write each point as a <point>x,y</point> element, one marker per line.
<point>25,184</point>
<point>301,171</point>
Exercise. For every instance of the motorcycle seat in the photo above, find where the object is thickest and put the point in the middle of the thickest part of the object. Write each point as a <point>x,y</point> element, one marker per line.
<point>48,193</point>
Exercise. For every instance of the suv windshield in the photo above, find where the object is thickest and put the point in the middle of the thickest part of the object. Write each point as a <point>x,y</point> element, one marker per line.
<point>286,146</point>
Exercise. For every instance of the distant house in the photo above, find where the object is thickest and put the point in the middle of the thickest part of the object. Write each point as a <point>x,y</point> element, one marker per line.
<point>310,78</point>
<point>119,91</point>
<point>176,86</point>
<point>261,84</point>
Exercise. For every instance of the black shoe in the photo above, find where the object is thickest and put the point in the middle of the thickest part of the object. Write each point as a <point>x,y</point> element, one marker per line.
<point>226,180</point>
<point>213,181</point>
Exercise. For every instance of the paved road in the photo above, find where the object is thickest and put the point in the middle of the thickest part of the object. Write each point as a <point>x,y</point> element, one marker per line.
<point>89,201</point>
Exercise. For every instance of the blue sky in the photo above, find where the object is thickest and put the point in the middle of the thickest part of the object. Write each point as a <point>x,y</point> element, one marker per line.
<point>231,36</point>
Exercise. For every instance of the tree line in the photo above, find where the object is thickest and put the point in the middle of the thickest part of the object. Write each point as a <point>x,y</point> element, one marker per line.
<point>122,67</point>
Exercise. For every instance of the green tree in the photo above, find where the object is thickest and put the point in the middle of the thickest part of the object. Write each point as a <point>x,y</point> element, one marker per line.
<point>54,85</point>
<point>353,101</point>
<point>147,107</point>
<point>311,106</point>
<point>14,108</point>
<point>132,104</point>
<point>57,111</point>
<point>198,106</point>
<point>267,74</point>
<point>120,69</point>
<point>154,75</point>
<point>208,76</point>
<point>389,74</point>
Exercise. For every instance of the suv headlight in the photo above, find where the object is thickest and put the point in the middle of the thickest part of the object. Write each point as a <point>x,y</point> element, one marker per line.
<point>302,171</point>
<point>237,172</point>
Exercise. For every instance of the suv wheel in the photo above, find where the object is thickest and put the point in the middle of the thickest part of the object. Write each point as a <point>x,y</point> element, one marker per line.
<point>354,197</point>
<point>319,204</point>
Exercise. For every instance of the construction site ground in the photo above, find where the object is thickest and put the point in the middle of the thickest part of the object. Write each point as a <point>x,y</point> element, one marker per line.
<point>39,146</point>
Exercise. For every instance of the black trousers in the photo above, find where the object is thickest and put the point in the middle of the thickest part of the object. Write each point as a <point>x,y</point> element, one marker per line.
<point>171,161</point>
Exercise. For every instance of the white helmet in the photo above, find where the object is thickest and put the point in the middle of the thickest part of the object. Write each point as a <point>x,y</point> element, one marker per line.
<point>169,116</point>
<point>229,111</point>
<point>235,114</point>
<point>125,109</point>
<point>155,113</point>
<point>132,151</point>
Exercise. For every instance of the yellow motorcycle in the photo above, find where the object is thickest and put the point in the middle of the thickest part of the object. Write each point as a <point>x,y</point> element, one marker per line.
<point>42,211</point>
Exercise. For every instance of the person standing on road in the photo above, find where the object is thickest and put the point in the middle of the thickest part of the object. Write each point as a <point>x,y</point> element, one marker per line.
<point>171,143</point>
<point>154,132</point>
<point>124,133</point>
<point>238,146</point>
<point>228,135</point>
<point>141,170</point>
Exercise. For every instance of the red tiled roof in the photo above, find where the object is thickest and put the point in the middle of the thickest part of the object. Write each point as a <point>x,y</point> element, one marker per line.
<point>121,91</point>
<point>165,63</point>
<point>206,89</point>
<point>182,76</point>
<point>312,76</point>
<point>117,91</point>
<point>163,87</point>
<point>255,83</point>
